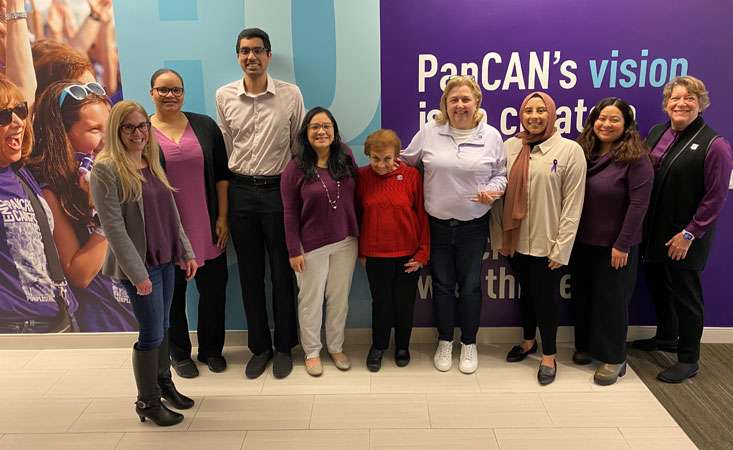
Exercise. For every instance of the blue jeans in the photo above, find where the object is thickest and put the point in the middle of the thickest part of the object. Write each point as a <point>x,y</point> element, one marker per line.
<point>456,252</point>
<point>152,311</point>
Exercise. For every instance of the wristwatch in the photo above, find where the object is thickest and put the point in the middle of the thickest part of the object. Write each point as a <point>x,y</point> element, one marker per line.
<point>686,235</point>
<point>16,15</point>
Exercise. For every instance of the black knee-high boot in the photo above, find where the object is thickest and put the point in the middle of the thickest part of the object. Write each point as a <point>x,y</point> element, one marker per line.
<point>148,405</point>
<point>167,389</point>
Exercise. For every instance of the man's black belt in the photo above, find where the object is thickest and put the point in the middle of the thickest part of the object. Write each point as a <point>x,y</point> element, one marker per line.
<point>258,180</point>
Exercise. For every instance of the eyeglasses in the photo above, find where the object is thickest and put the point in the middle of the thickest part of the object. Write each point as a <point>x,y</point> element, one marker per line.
<point>81,91</point>
<point>129,129</point>
<point>6,115</point>
<point>317,126</point>
<point>176,91</point>
<point>258,51</point>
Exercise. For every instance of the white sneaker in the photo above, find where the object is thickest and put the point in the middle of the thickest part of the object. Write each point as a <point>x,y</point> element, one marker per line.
<point>443,359</point>
<point>469,358</point>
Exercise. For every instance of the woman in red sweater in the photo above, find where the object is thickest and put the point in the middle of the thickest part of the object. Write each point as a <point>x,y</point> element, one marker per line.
<point>394,243</point>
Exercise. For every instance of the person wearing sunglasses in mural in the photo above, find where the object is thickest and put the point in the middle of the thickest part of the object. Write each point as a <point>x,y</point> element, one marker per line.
<point>140,219</point>
<point>692,165</point>
<point>465,173</point>
<point>538,222</point>
<point>69,122</point>
<point>34,295</point>
<point>196,165</point>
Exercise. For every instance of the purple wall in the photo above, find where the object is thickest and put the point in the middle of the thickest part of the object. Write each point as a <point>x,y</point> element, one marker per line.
<point>689,38</point>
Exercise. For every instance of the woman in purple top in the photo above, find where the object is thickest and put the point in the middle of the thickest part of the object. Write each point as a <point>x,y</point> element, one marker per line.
<point>692,166</point>
<point>146,238</point>
<point>196,165</point>
<point>321,231</point>
<point>32,296</point>
<point>69,124</point>
<point>605,256</point>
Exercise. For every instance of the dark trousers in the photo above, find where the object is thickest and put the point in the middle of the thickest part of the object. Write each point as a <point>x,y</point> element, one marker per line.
<point>677,297</point>
<point>393,300</point>
<point>601,296</point>
<point>256,224</point>
<point>211,281</point>
<point>456,254</point>
<point>538,298</point>
<point>152,311</point>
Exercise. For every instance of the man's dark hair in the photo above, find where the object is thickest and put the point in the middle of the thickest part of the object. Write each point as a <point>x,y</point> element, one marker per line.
<point>249,33</point>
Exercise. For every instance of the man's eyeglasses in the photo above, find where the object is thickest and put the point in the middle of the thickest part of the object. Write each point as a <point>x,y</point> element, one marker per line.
<point>81,91</point>
<point>129,129</point>
<point>176,91</point>
<point>6,115</point>
<point>258,51</point>
<point>317,126</point>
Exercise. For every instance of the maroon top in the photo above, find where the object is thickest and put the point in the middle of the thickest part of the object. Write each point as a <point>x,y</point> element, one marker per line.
<point>616,199</point>
<point>310,220</point>
<point>161,233</point>
<point>717,173</point>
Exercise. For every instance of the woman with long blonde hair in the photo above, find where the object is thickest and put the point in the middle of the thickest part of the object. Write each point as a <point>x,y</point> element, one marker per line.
<point>137,212</point>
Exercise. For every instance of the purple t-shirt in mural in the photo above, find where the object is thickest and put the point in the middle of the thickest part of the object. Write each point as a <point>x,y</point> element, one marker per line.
<point>103,305</point>
<point>26,289</point>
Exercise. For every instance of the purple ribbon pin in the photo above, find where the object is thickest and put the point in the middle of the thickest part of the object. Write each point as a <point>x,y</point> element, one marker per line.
<point>554,166</point>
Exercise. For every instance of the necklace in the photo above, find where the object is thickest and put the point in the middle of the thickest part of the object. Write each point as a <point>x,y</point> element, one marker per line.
<point>332,203</point>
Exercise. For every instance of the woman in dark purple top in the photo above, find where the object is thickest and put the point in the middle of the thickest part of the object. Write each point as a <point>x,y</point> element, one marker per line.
<point>31,301</point>
<point>605,256</point>
<point>321,231</point>
<point>692,170</point>
<point>146,238</point>
<point>69,124</point>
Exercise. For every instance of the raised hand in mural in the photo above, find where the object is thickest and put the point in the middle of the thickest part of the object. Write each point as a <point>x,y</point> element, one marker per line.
<point>101,9</point>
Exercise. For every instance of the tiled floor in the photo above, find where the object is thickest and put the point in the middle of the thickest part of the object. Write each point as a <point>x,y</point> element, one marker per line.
<point>82,399</point>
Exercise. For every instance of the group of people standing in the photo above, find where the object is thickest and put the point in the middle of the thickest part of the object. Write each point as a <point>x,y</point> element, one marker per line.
<point>287,189</point>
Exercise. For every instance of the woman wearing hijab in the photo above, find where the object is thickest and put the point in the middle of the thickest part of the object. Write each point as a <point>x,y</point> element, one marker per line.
<point>541,211</point>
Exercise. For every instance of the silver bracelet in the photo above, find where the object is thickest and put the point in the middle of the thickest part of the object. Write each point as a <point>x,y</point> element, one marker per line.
<point>16,15</point>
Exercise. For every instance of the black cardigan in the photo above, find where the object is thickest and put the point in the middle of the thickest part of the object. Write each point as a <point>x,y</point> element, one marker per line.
<point>216,161</point>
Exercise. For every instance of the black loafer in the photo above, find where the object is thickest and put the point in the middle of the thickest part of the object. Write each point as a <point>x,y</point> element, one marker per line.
<point>282,365</point>
<point>546,374</point>
<point>517,353</point>
<point>374,359</point>
<point>257,364</point>
<point>582,358</point>
<point>653,344</point>
<point>402,357</point>
<point>216,363</point>
<point>185,368</point>
<point>679,372</point>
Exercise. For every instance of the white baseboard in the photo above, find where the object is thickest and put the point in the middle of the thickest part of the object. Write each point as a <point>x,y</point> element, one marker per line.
<point>487,335</point>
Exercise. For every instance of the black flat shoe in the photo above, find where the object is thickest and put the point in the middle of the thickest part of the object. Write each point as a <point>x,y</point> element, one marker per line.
<point>679,372</point>
<point>653,344</point>
<point>582,358</point>
<point>282,365</point>
<point>374,359</point>
<point>517,353</point>
<point>185,368</point>
<point>546,374</point>
<point>216,364</point>
<point>257,364</point>
<point>402,357</point>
